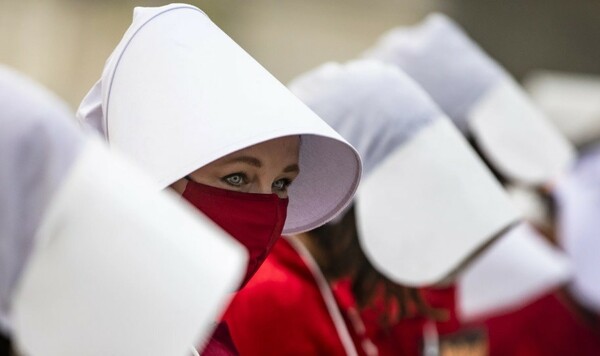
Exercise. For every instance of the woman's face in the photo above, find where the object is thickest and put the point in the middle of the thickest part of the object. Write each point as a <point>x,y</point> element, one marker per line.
<point>265,168</point>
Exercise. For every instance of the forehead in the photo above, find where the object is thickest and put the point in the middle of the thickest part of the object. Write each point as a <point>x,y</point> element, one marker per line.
<point>287,143</point>
<point>283,150</point>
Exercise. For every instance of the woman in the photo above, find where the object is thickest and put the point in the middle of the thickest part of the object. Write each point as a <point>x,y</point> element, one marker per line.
<point>195,111</point>
<point>525,151</point>
<point>88,246</point>
<point>426,206</point>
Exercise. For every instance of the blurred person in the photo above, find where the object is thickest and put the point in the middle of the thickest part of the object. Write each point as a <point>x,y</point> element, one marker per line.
<point>196,112</point>
<point>578,216</point>
<point>523,149</point>
<point>94,260</point>
<point>572,102</point>
<point>427,205</point>
<point>519,144</point>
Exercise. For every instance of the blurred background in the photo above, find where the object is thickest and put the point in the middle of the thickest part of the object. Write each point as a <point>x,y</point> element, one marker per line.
<point>64,43</point>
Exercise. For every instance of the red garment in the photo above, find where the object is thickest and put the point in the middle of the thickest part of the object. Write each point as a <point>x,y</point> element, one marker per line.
<point>281,311</point>
<point>548,326</point>
<point>220,343</point>
<point>404,337</point>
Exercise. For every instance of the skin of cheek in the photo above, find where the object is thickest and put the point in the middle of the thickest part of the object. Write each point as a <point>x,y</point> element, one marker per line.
<point>179,186</point>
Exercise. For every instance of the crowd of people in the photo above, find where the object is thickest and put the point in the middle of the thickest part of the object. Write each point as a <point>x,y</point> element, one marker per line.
<point>416,200</point>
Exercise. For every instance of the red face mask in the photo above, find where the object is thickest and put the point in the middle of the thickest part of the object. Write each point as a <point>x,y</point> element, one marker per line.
<point>255,220</point>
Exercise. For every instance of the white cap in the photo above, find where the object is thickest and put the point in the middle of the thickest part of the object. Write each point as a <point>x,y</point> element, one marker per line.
<point>520,267</point>
<point>98,261</point>
<point>578,207</point>
<point>38,144</point>
<point>571,101</point>
<point>480,97</point>
<point>427,201</point>
<point>177,93</point>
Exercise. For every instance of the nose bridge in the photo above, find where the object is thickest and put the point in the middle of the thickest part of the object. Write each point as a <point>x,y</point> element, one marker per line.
<point>265,186</point>
<point>262,184</point>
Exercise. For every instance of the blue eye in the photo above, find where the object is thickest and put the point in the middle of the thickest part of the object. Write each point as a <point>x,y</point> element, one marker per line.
<point>281,184</point>
<point>236,179</point>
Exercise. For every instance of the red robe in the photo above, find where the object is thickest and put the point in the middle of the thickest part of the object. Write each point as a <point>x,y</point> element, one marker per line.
<point>406,336</point>
<point>548,326</point>
<point>282,311</point>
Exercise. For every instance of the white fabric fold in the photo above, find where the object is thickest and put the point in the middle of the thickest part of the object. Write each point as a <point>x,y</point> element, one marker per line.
<point>119,268</point>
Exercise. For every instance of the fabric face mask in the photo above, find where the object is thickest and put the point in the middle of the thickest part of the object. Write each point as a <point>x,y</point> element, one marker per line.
<point>255,220</point>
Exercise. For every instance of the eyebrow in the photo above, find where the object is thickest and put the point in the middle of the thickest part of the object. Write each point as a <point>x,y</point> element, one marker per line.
<point>292,168</point>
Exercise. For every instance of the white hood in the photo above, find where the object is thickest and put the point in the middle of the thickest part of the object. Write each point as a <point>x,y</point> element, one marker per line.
<point>427,201</point>
<point>38,145</point>
<point>480,97</point>
<point>177,93</point>
<point>95,259</point>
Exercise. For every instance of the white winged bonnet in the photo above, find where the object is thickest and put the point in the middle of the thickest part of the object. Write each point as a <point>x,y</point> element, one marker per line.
<point>177,93</point>
<point>94,259</point>
<point>427,201</point>
<point>480,97</point>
